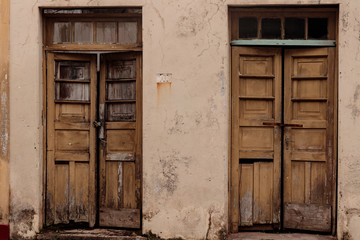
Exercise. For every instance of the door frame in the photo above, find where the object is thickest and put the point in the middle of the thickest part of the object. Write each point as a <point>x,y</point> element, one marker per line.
<point>325,10</point>
<point>51,15</point>
<point>234,228</point>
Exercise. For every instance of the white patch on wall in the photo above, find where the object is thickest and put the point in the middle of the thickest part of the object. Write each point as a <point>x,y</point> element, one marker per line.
<point>164,77</point>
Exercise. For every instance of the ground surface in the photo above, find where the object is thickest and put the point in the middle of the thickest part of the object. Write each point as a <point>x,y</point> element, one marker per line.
<point>112,234</point>
<point>272,236</point>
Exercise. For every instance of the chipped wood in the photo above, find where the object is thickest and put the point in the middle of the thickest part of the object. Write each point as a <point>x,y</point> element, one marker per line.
<point>4,112</point>
<point>310,217</point>
<point>120,158</point>
<point>125,217</point>
<point>71,148</point>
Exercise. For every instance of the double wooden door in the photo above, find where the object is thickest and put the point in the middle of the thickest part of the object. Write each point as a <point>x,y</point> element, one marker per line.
<point>94,139</point>
<point>283,163</point>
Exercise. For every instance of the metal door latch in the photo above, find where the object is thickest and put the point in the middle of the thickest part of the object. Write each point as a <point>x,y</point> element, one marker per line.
<point>97,124</point>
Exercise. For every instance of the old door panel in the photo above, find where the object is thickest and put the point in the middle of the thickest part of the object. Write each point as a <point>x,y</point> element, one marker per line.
<point>120,153</point>
<point>256,97</point>
<point>71,99</point>
<point>308,158</point>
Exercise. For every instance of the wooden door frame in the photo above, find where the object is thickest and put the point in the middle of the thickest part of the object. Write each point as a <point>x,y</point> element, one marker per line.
<point>47,19</point>
<point>44,118</point>
<point>284,10</point>
<point>335,146</point>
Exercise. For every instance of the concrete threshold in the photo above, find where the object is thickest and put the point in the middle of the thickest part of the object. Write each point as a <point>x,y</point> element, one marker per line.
<point>91,234</point>
<point>278,236</point>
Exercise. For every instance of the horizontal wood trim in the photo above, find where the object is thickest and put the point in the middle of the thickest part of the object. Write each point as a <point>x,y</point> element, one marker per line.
<point>72,81</point>
<point>310,217</point>
<point>256,155</point>
<point>72,126</point>
<point>309,124</point>
<point>93,47</point>
<point>121,80</point>
<point>120,125</point>
<point>309,77</point>
<point>98,16</point>
<point>256,76</point>
<point>72,102</point>
<point>308,156</point>
<point>275,42</point>
<point>121,101</point>
<point>123,157</point>
<point>251,123</point>
<point>126,218</point>
<point>257,97</point>
<point>71,156</point>
<point>309,99</point>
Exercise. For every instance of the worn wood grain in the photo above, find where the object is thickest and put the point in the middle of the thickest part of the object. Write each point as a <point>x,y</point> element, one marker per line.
<point>308,151</point>
<point>71,147</point>
<point>257,80</point>
<point>128,218</point>
<point>4,113</point>
<point>120,154</point>
<point>307,217</point>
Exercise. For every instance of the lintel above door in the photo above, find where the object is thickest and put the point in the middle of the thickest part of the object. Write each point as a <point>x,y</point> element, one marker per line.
<point>284,43</point>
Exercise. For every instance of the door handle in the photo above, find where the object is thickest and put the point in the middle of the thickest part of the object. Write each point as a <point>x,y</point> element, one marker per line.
<point>97,124</point>
<point>282,124</point>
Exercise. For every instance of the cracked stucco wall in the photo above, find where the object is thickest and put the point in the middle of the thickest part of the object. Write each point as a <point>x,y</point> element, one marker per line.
<point>186,123</point>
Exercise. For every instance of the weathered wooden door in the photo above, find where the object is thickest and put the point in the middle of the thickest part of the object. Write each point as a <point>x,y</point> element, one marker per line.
<point>256,146</point>
<point>87,134</point>
<point>71,139</point>
<point>120,141</point>
<point>282,138</point>
<point>309,176</point>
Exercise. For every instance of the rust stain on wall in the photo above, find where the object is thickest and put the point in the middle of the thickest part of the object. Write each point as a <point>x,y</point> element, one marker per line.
<point>163,91</point>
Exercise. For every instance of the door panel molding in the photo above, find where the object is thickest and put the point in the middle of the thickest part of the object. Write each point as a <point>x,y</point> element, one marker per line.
<point>121,140</point>
<point>309,151</point>
<point>71,143</point>
<point>307,135</point>
<point>256,98</point>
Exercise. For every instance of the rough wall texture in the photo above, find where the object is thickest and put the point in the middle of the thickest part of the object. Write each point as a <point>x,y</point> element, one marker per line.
<point>349,120</point>
<point>186,122</point>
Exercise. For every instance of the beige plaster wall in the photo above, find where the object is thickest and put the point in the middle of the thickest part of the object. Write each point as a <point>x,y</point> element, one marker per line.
<point>186,124</point>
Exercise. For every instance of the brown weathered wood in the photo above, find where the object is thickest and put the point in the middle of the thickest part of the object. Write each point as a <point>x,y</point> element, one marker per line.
<point>128,218</point>
<point>259,13</point>
<point>120,153</point>
<point>90,36</point>
<point>5,110</point>
<point>257,80</point>
<point>310,217</point>
<point>71,148</point>
<point>308,151</point>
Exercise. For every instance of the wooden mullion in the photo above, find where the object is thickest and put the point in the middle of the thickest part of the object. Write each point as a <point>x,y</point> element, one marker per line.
<point>50,157</point>
<point>259,27</point>
<point>306,28</point>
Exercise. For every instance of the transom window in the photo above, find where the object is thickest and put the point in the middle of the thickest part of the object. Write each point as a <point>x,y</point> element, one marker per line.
<point>283,24</point>
<point>117,29</point>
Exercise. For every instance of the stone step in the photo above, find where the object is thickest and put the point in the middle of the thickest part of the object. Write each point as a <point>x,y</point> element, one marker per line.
<point>91,234</point>
<point>278,236</point>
